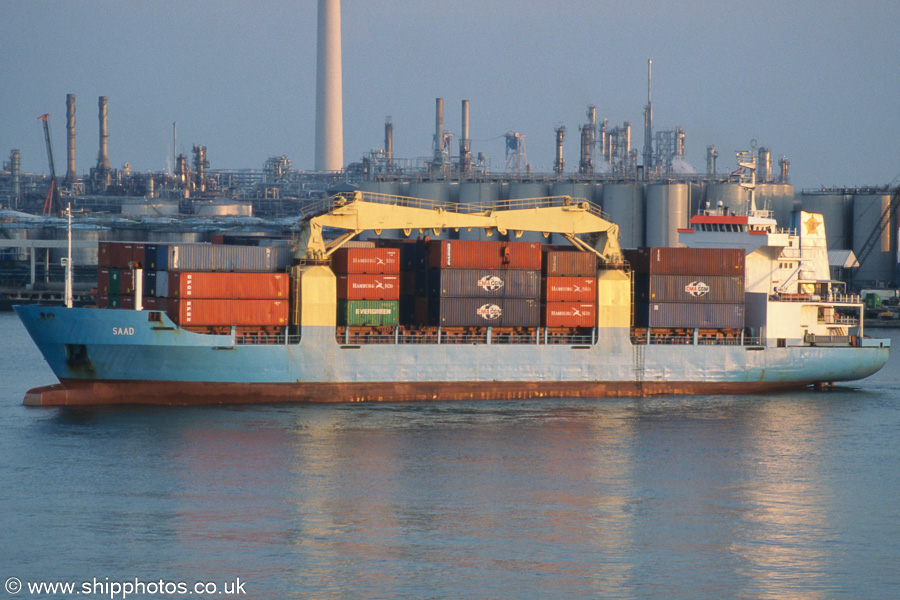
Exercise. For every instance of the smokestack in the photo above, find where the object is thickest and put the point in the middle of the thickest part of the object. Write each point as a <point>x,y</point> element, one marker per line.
<point>103,155</point>
<point>15,165</point>
<point>465,159</point>
<point>388,143</point>
<point>648,126</point>
<point>439,131</point>
<point>329,101</point>
<point>71,175</point>
<point>560,163</point>
<point>711,156</point>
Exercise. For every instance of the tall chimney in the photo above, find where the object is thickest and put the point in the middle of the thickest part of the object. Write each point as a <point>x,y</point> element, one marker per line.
<point>560,162</point>
<point>648,126</point>
<point>71,175</point>
<point>388,143</point>
<point>438,131</point>
<point>465,159</point>
<point>103,155</point>
<point>329,102</point>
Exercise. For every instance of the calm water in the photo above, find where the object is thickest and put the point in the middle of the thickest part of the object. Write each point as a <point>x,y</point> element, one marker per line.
<point>779,496</point>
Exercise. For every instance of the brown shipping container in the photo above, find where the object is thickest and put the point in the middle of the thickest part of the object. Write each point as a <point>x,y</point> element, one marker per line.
<point>247,286</point>
<point>570,289</point>
<point>673,314</point>
<point>484,312</point>
<point>103,280</point>
<point>571,263</point>
<point>570,314</point>
<point>126,301</point>
<point>102,300</point>
<point>362,286</point>
<point>103,254</point>
<point>484,283</point>
<point>366,260</point>
<point>691,289</point>
<point>127,285</point>
<point>687,261</point>
<point>218,312</point>
<point>464,254</point>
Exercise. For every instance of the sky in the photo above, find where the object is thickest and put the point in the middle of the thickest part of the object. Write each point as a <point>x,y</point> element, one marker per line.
<point>815,81</point>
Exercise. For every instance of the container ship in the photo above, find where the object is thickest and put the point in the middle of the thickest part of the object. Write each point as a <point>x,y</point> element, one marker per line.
<point>743,307</point>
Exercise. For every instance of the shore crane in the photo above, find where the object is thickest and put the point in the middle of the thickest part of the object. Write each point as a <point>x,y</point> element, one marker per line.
<point>51,203</point>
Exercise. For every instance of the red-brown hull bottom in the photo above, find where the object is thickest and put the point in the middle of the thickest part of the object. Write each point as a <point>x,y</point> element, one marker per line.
<point>94,393</point>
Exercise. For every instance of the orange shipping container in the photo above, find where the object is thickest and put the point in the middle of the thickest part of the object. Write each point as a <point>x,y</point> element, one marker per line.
<point>360,286</point>
<point>570,289</point>
<point>469,254</point>
<point>246,286</point>
<point>366,260</point>
<point>218,312</point>
<point>570,314</point>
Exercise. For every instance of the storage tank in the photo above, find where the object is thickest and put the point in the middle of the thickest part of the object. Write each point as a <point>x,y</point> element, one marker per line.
<point>881,263</point>
<point>22,231</point>
<point>777,197</point>
<point>175,237</point>
<point>441,192</point>
<point>575,190</point>
<point>83,233</point>
<point>731,195</point>
<point>523,190</point>
<point>836,208</point>
<point>668,206</point>
<point>479,194</point>
<point>224,209</point>
<point>392,188</point>
<point>156,208</point>
<point>624,203</point>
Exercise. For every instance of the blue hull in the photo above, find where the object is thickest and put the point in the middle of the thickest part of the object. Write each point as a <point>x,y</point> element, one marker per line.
<point>108,356</point>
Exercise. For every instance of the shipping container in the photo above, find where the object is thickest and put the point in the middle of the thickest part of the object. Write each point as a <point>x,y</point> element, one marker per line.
<point>366,260</point>
<point>150,288</point>
<point>219,312</point>
<point>127,285</point>
<point>114,301</point>
<point>484,312</point>
<point>690,289</point>
<point>687,261</point>
<point>569,289</point>
<point>368,313</point>
<point>151,257</point>
<point>413,256</point>
<point>162,284</point>
<point>571,263</point>
<point>484,283</point>
<point>103,254</point>
<point>213,257</point>
<point>570,314</point>
<point>126,301</point>
<point>247,286</point>
<point>363,286</point>
<point>679,315</point>
<point>103,280</point>
<point>465,254</point>
<point>102,300</point>
<point>115,281</point>
<point>154,303</point>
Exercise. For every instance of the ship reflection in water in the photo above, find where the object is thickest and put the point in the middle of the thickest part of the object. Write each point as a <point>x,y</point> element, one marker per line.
<point>687,497</point>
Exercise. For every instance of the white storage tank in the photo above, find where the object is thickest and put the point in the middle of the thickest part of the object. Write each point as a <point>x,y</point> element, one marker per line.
<point>732,196</point>
<point>668,207</point>
<point>777,197</point>
<point>624,203</point>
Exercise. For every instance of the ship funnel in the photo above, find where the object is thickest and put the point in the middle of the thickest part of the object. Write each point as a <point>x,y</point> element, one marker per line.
<point>329,101</point>
<point>103,155</point>
<point>71,175</point>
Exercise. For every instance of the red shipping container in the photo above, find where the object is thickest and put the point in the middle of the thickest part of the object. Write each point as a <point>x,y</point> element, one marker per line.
<point>570,289</point>
<point>570,263</point>
<point>687,261</point>
<point>126,301</point>
<point>103,254</point>
<point>465,254</point>
<point>216,312</point>
<point>127,285</point>
<point>103,280</point>
<point>247,286</point>
<point>361,286</point>
<point>366,260</point>
<point>102,300</point>
<point>570,314</point>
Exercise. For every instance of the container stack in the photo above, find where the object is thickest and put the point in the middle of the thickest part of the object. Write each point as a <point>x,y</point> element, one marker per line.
<point>368,286</point>
<point>199,285</point>
<point>569,289</point>
<point>688,288</point>
<point>480,284</point>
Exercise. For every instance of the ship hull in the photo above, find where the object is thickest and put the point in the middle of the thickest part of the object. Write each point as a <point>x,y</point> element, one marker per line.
<point>121,356</point>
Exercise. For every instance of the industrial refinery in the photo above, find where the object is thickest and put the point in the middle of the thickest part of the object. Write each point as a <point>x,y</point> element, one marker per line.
<point>649,190</point>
